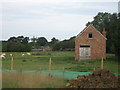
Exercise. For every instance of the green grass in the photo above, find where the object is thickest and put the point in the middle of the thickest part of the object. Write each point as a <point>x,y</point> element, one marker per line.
<point>40,60</point>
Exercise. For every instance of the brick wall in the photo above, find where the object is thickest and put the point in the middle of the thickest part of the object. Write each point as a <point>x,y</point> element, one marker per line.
<point>97,43</point>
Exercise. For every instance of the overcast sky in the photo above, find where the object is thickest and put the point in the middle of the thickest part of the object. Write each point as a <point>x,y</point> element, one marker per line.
<point>61,19</point>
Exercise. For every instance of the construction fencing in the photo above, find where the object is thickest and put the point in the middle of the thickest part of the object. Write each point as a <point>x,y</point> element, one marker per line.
<point>70,75</point>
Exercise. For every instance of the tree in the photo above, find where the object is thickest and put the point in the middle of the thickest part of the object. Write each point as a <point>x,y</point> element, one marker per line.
<point>20,39</point>
<point>25,40</point>
<point>16,44</point>
<point>111,22</point>
<point>18,47</point>
<point>41,41</point>
<point>56,46</point>
<point>12,39</point>
<point>4,46</point>
<point>53,41</point>
<point>34,40</point>
<point>100,20</point>
<point>117,37</point>
<point>65,44</point>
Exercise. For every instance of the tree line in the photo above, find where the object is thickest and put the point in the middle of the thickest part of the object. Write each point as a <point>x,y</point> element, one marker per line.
<point>25,44</point>
<point>16,44</point>
<point>111,22</point>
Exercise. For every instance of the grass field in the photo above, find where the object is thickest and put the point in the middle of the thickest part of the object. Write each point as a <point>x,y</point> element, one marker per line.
<point>40,60</point>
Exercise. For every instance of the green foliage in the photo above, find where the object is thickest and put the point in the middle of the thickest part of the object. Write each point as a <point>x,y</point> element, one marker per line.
<point>111,22</point>
<point>56,46</point>
<point>41,41</point>
<point>53,41</point>
<point>65,45</point>
<point>16,47</point>
<point>4,45</point>
<point>100,20</point>
<point>20,39</point>
<point>117,37</point>
<point>16,44</point>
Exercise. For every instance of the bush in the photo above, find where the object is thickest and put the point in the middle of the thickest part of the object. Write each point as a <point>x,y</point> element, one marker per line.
<point>15,47</point>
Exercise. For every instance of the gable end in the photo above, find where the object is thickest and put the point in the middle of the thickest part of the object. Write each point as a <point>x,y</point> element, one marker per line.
<point>86,29</point>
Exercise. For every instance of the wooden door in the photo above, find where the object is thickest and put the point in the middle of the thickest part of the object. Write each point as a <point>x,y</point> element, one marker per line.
<point>84,52</point>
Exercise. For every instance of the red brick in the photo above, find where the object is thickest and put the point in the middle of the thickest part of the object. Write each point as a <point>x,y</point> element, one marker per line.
<point>97,43</point>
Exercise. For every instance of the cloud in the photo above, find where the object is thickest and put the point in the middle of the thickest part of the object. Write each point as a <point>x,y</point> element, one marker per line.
<point>61,26</point>
<point>38,10</point>
<point>59,18</point>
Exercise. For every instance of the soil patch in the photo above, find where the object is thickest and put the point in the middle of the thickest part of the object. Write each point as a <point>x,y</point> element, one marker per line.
<point>98,79</point>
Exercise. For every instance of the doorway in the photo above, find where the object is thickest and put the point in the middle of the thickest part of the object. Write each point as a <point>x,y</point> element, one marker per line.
<point>85,51</point>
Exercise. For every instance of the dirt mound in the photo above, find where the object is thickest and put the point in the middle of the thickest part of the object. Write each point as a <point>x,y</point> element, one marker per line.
<point>99,79</point>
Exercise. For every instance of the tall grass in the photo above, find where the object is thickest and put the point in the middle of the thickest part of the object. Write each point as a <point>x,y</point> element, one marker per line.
<point>20,80</point>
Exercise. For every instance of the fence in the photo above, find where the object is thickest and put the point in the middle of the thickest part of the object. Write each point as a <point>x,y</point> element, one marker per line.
<point>58,73</point>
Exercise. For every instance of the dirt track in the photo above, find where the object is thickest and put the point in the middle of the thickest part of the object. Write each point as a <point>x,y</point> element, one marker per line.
<point>99,79</point>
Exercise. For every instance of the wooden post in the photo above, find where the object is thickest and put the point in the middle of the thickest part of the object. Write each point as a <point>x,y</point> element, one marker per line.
<point>50,64</point>
<point>102,64</point>
<point>12,62</point>
<point>63,72</point>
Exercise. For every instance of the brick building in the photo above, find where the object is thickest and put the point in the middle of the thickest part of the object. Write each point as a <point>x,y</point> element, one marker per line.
<point>90,44</point>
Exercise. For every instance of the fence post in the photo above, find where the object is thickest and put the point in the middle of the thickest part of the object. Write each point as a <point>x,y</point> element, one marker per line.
<point>63,73</point>
<point>102,64</point>
<point>50,64</point>
<point>12,62</point>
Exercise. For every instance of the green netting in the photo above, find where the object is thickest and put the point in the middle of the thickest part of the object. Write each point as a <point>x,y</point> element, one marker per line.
<point>58,73</point>
<point>117,74</point>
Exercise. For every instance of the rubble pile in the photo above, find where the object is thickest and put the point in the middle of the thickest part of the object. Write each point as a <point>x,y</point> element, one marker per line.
<point>99,79</point>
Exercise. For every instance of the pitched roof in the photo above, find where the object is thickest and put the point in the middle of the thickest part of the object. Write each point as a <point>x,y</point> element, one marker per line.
<point>86,29</point>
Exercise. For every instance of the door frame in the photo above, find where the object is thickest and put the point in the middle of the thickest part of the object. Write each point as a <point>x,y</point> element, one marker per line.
<point>86,52</point>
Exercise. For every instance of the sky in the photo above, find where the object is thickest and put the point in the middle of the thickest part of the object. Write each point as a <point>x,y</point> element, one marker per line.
<point>61,19</point>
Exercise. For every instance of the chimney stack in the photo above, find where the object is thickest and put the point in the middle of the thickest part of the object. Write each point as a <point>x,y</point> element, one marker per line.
<point>104,32</point>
